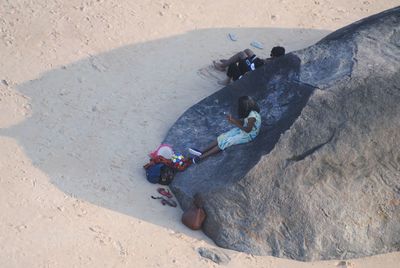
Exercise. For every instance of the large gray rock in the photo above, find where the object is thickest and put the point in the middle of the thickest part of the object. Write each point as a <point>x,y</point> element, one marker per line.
<point>322,180</point>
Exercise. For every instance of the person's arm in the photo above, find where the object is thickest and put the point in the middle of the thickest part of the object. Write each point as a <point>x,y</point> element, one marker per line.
<point>239,123</point>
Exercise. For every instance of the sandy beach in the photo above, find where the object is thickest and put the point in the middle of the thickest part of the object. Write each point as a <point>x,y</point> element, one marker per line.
<point>88,88</point>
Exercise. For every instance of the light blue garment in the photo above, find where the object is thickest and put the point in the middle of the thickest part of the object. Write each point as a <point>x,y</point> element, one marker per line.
<point>238,136</point>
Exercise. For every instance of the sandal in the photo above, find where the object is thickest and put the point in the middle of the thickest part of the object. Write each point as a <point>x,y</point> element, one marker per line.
<point>164,192</point>
<point>194,151</point>
<point>232,36</point>
<point>164,201</point>
<point>169,202</point>
<point>257,44</point>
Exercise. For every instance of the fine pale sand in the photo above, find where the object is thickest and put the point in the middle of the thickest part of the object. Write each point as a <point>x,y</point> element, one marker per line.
<point>89,87</point>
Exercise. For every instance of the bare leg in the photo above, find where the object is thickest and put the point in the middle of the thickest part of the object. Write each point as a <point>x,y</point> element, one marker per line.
<point>249,53</point>
<point>235,58</point>
<point>212,145</point>
<point>225,82</point>
<point>211,151</point>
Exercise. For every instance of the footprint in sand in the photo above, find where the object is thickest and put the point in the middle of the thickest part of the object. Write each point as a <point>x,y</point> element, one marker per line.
<point>209,73</point>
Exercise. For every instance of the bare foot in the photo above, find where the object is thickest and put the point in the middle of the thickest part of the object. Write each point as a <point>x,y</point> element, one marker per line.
<point>219,66</point>
<point>224,82</point>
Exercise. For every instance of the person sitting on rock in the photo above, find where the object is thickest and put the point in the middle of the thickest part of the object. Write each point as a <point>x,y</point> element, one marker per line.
<point>246,130</point>
<point>243,62</point>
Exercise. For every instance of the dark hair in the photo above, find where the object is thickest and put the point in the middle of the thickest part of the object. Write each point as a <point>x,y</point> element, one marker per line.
<point>245,105</point>
<point>277,52</point>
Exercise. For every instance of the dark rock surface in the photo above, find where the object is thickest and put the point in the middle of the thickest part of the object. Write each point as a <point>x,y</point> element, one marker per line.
<point>322,180</point>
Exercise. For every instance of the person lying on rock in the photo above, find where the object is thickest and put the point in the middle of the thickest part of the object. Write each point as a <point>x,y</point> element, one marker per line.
<point>243,62</point>
<point>246,129</point>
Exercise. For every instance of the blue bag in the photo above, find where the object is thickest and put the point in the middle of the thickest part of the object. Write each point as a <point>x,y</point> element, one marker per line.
<point>153,173</point>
